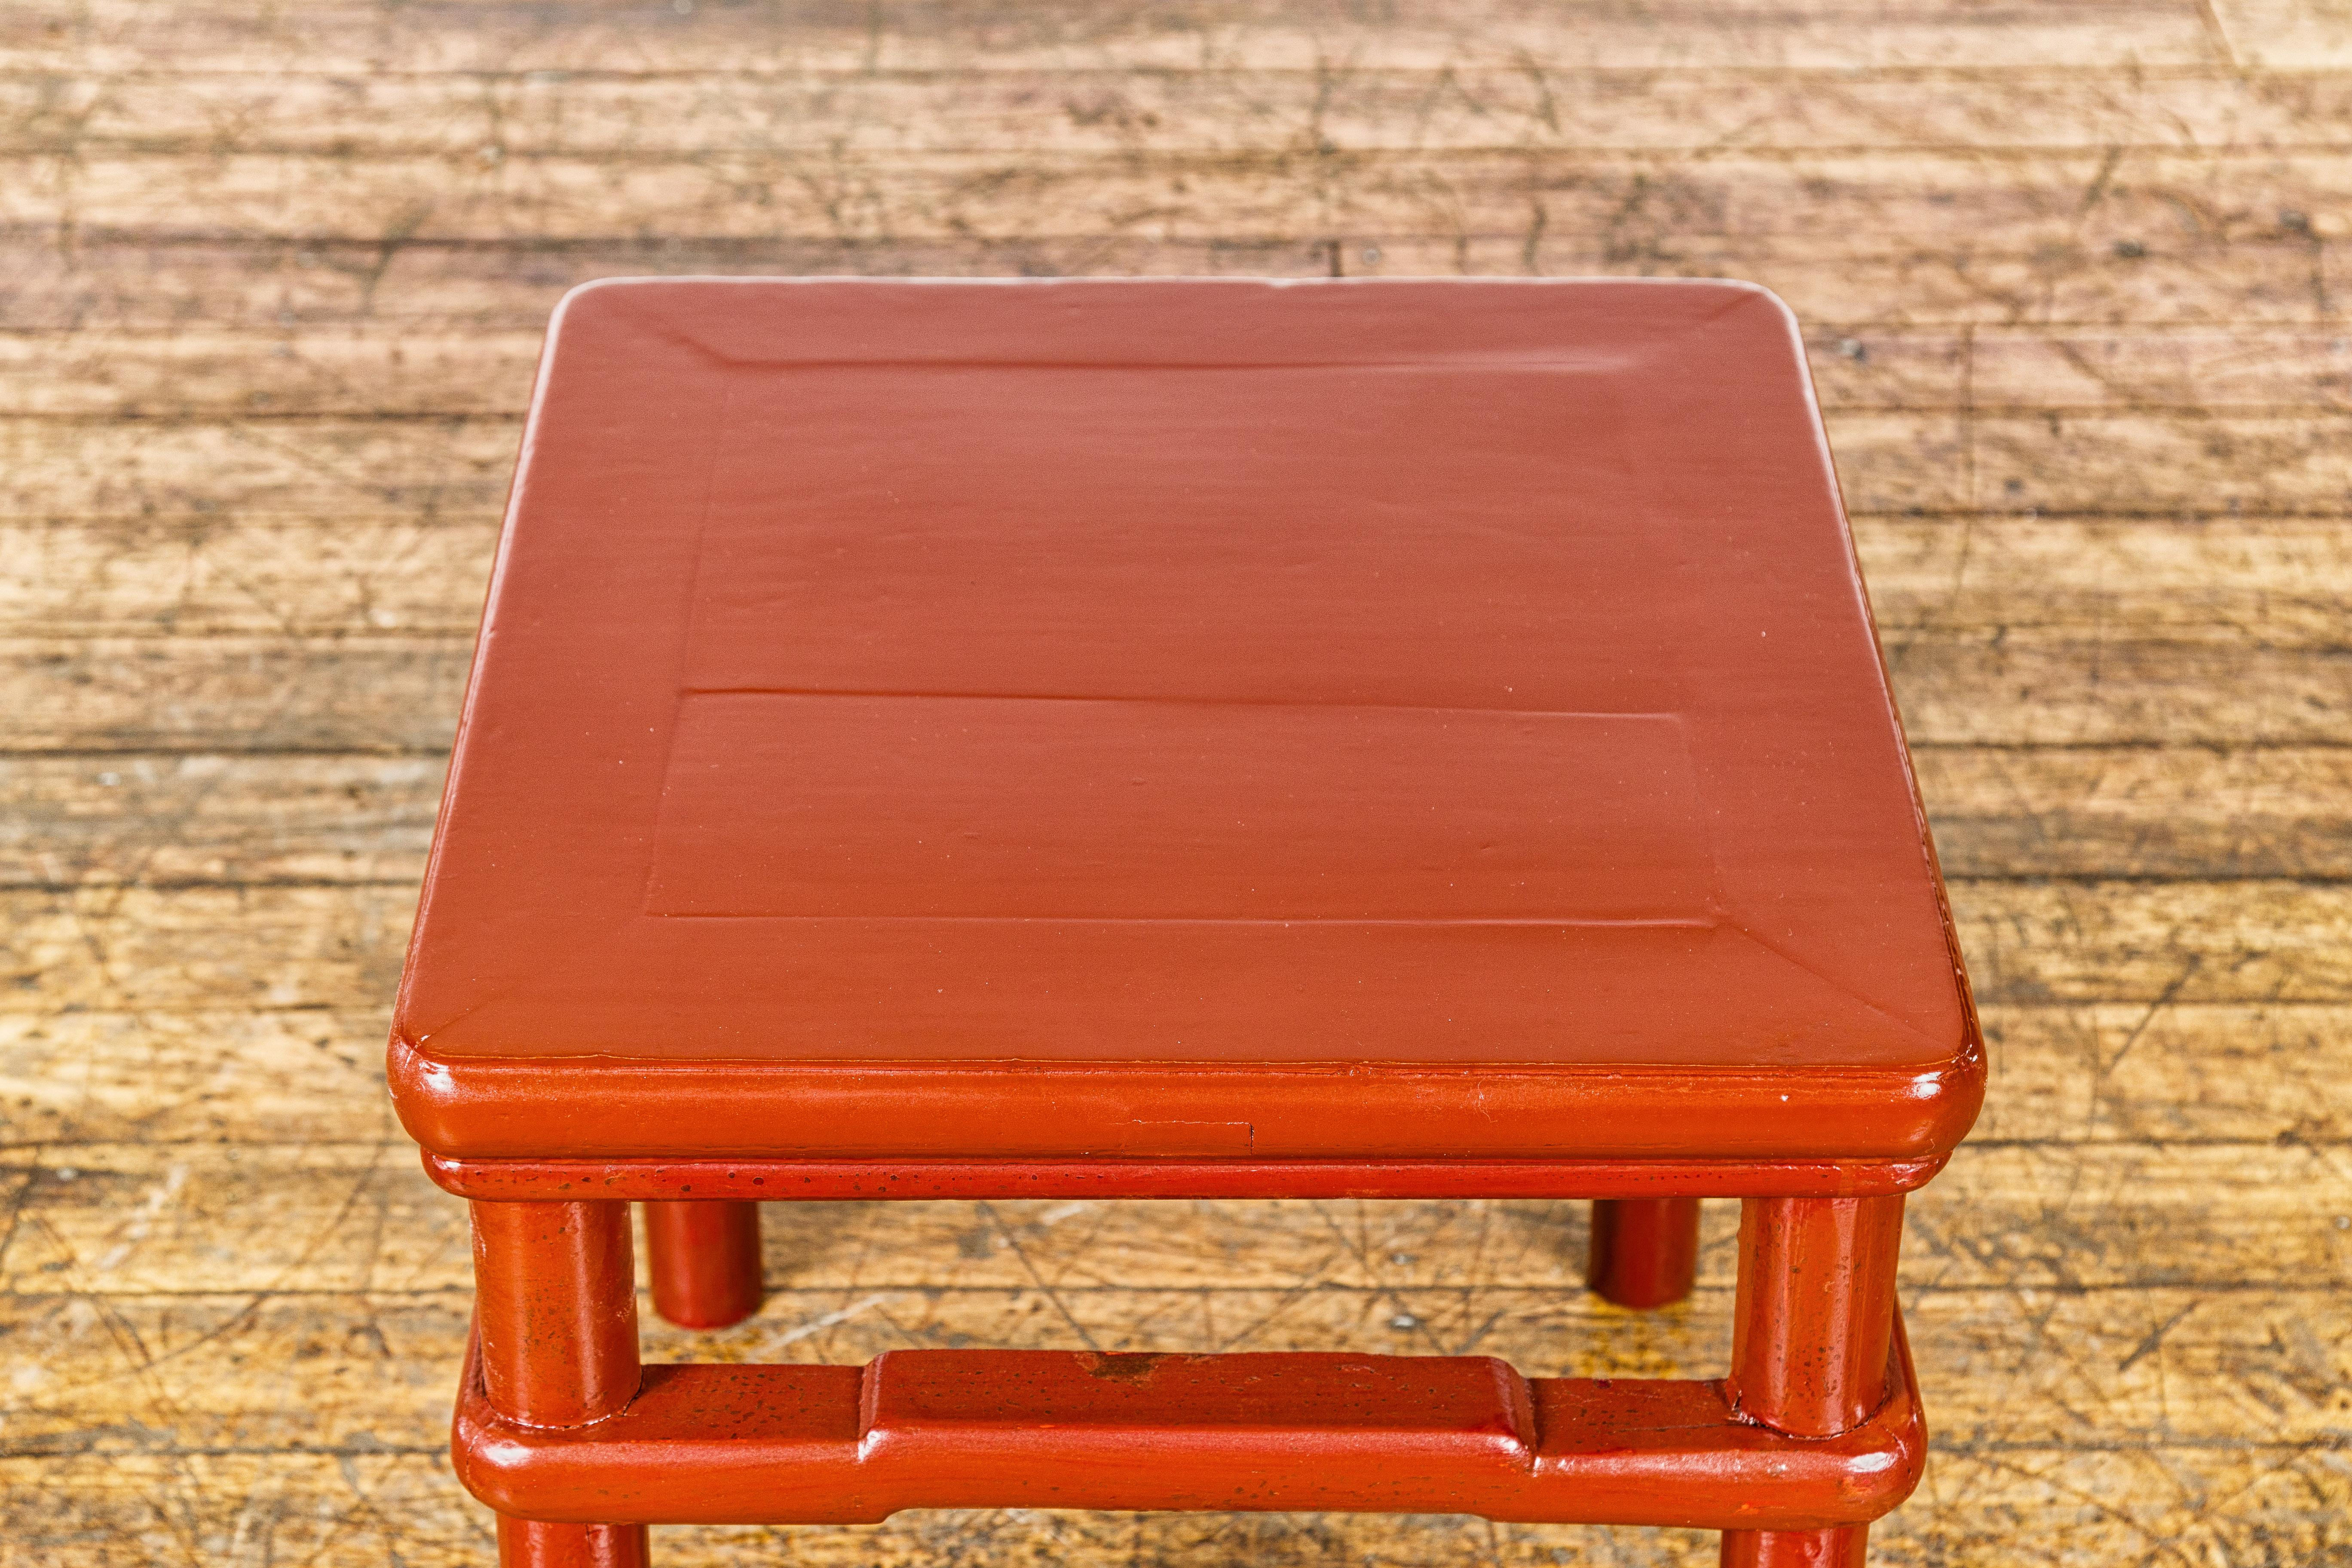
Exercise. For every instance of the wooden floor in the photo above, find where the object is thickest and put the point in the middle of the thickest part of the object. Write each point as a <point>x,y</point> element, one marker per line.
<point>2078,281</point>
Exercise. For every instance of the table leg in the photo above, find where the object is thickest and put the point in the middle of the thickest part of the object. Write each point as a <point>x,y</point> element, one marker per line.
<point>1814,1326</point>
<point>1644,1251</point>
<point>704,1261</point>
<point>555,1305</point>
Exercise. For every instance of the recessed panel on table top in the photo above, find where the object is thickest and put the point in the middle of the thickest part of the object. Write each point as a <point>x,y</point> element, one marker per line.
<point>1197,642</point>
<point>1185,672</point>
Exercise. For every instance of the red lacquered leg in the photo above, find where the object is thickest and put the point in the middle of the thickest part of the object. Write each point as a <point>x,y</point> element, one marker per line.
<point>704,1261</point>
<point>1809,1343</point>
<point>555,1304</point>
<point>522,1545</point>
<point>1644,1251</point>
<point>1795,1548</point>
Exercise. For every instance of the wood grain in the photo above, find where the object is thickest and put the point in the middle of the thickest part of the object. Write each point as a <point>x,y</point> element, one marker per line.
<point>1471,102</point>
<point>272,280</point>
<point>119,34</point>
<point>1568,212</point>
<point>1837,278</point>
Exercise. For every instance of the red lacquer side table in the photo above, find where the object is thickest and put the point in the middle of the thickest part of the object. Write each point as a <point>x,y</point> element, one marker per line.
<point>1166,739</point>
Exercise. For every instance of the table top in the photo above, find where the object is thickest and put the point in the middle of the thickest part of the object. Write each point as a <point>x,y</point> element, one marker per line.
<point>1231,681</point>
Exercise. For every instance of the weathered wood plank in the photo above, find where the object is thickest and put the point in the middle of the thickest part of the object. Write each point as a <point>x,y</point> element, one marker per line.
<point>2160,463</point>
<point>2155,464</point>
<point>2271,583</point>
<point>1595,205</point>
<point>2140,813</point>
<point>123,35</point>
<point>129,949</point>
<point>334,575</point>
<point>2133,1217</point>
<point>222,819</point>
<point>227,694</point>
<point>357,371</point>
<point>1831,275</point>
<point>104,1220</point>
<point>2124,368</point>
<point>1080,108</point>
<point>2286,35</point>
<point>1997,691</point>
<point>2172,1072</point>
<point>2198,369</point>
<point>2089,1505</point>
<point>2246,941</point>
<point>199,1217</point>
<point>361,1508</point>
<point>2081,1508</point>
<point>255,1076</point>
<point>208,472</point>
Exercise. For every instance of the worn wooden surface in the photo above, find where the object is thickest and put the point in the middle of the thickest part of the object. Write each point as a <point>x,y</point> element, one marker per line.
<point>271,281</point>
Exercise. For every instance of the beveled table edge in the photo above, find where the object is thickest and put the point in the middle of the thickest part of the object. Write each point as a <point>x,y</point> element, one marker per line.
<point>607,1109</point>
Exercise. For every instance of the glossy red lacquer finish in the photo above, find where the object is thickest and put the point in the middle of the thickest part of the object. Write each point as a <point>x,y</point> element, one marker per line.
<point>525,1543</point>
<point>1846,1548</point>
<point>556,1306</point>
<point>556,1348</point>
<point>715,1444</point>
<point>1180,719</point>
<point>1180,740</point>
<point>1815,1317</point>
<point>1643,1251</point>
<point>704,1261</point>
<point>1816,1308</point>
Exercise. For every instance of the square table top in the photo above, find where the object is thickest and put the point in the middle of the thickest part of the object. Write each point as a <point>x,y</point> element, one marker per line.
<point>1207,685</point>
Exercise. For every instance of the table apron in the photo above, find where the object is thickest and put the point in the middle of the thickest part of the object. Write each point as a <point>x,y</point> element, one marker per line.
<point>775,1181</point>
